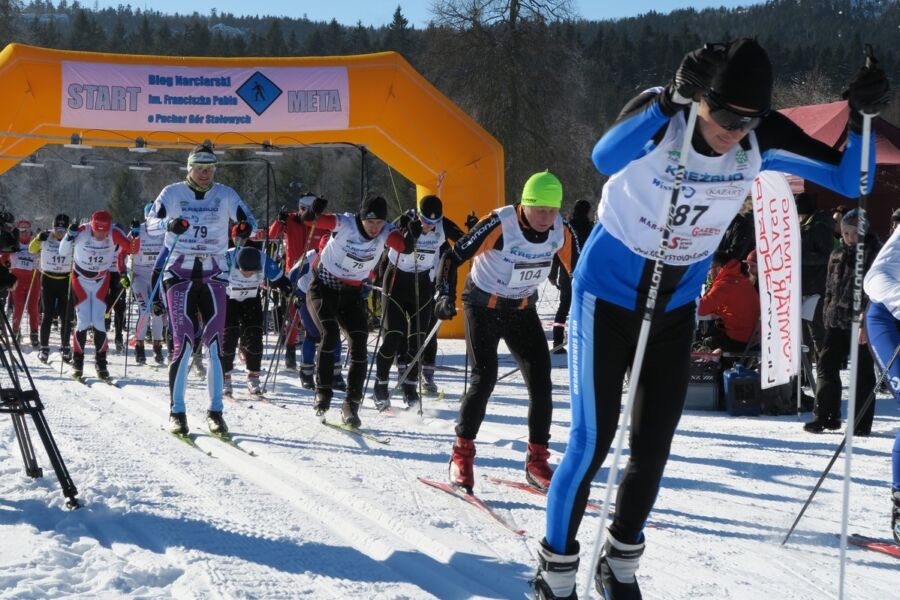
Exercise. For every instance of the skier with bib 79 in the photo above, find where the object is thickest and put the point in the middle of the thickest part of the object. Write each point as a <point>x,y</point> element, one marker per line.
<point>194,215</point>
<point>736,137</point>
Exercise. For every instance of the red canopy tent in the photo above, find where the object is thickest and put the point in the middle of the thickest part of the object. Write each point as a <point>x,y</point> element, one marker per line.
<point>828,123</point>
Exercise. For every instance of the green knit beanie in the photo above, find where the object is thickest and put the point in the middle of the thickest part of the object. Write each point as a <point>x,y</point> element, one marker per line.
<point>542,189</point>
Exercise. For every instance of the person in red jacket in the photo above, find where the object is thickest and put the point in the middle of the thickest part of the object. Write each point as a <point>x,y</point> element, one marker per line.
<point>299,236</point>
<point>28,287</point>
<point>734,302</point>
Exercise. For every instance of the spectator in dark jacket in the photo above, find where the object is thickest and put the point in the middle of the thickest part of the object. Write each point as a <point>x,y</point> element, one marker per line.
<point>740,237</point>
<point>837,314</point>
<point>816,243</point>
<point>582,222</point>
<point>733,300</point>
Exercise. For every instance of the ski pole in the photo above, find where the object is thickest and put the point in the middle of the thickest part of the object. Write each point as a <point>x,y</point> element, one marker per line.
<point>418,324</point>
<point>865,405</point>
<point>857,317</point>
<point>643,335</point>
<point>66,308</point>
<point>112,306</point>
<point>128,308</point>
<point>385,291</point>
<point>418,355</point>
<point>517,369</point>
<point>25,310</point>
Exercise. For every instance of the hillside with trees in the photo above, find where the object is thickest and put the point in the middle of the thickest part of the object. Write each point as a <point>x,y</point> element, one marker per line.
<point>543,81</point>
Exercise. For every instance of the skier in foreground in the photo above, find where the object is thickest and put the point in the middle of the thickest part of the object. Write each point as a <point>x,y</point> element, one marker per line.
<point>512,250</point>
<point>195,213</point>
<point>882,284</point>
<point>737,136</point>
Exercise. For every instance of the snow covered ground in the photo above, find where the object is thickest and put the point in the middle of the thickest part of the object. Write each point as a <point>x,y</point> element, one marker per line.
<point>320,513</point>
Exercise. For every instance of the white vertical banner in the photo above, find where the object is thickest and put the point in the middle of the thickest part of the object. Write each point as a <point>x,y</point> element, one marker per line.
<point>778,260</point>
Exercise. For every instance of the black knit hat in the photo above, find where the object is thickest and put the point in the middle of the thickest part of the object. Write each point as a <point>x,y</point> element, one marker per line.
<point>582,208</point>
<point>806,203</point>
<point>249,259</point>
<point>745,79</point>
<point>61,220</point>
<point>431,209</point>
<point>374,207</point>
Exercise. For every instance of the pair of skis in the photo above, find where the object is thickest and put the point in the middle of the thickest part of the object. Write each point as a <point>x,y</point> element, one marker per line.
<point>191,440</point>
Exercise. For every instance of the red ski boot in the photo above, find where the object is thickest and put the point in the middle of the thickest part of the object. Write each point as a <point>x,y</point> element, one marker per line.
<point>537,472</point>
<point>462,471</point>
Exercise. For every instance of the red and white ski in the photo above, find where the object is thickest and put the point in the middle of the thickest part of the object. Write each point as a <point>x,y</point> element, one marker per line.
<point>473,500</point>
<point>876,545</point>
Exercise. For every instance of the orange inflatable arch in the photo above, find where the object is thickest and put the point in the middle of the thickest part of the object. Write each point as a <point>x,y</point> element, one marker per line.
<point>148,102</point>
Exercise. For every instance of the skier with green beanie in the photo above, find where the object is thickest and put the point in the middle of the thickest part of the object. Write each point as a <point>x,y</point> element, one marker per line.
<point>511,250</point>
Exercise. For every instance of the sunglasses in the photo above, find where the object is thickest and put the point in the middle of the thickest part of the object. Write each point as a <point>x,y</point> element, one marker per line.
<point>730,119</point>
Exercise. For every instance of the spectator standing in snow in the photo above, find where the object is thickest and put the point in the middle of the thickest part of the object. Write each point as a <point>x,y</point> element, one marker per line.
<point>837,314</point>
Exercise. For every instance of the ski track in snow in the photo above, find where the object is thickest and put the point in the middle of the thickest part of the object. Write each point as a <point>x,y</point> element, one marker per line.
<point>320,513</point>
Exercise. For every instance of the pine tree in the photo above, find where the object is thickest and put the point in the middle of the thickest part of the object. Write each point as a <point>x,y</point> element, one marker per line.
<point>397,37</point>
<point>275,45</point>
<point>10,10</point>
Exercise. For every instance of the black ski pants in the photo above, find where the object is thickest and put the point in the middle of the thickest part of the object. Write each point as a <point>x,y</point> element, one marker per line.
<point>524,336</point>
<point>334,309</point>
<point>56,301</point>
<point>243,321</point>
<point>835,348</point>
<point>400,338</point>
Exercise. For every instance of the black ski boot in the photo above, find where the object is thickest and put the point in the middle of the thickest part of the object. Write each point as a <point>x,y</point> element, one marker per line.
<point>102,367</point>
<point>140,357</point>
<point>78,364</point>
<point>380,395</point>
<point>323,401</point>
<point>895,516</point>
<point>178,423</point>
<point>338,383</point>
<point>559,338</point>
<point>66,353</point>
<point>428,385</point>
<point>35,340</point>
<point>215,422</point>
<point>157,353</point>
<point>555,578</point>
<point>120,345</point>
<point>350,413</point>
<point>290,357</point>
<point>306,376</point>
<point>410,394</point>
<point>614,579</point>
<point>44,354</point>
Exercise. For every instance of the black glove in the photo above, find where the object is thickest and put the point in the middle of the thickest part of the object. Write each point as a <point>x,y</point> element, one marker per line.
<point>471,220</point>
<point>283,216</point>
<point>695,73</point>
<point>125,281</point>
<point>43,236</point>
<point>318,207</point>
<point>158,308</point>
<point>242,230</point>
<point>284,285</point>
<point>178,226</point>
<point>72,231</point>
<point>445,307</point>
<point>414,227</point>
<point>870,91</point>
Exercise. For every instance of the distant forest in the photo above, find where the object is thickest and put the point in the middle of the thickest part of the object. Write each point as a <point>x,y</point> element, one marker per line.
<point>543,81</point>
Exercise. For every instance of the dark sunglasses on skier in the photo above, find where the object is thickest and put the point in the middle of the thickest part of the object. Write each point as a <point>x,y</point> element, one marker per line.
<point>731,119</point>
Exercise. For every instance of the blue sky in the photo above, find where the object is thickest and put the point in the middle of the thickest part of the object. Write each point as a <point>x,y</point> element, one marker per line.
<point>379,12</point>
